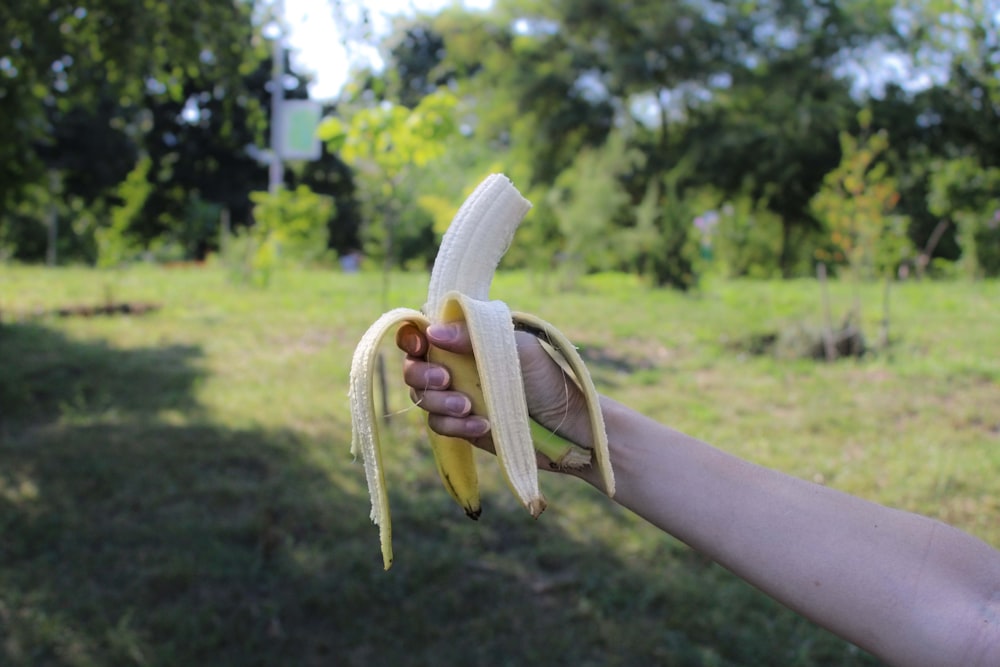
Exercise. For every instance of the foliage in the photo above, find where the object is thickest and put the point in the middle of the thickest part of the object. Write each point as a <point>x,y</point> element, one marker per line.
<point>741,89</point>
<point>747,239</point>
<point>390,138</point>
<point>290,229</point>
<point>857,203</point>
<point>26,233</point>
<point>115,243</point>
<point>752,97</point>
<point>965,192</point>
<point>60,59</point>
<point>665,246</point>
<point>966,34</point>
<point>385,144</point>
<point>588,201</point>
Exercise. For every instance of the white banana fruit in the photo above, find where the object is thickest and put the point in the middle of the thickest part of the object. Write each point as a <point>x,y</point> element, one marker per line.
<point>479,235</point>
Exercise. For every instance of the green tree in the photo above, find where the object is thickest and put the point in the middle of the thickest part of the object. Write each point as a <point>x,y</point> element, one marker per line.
<point>746,241</point>
<point>290,227</point>
<point>115,245</point>
<point>857,203</point>
<point>954,45</point>
<point>588,202</point>
<point>665,246</point>
<point>524,78</point>
<point>740,89</point>
<point>742,93</point>
<point>385,144</point>
<point>56,57</point>
<point>963,191</point>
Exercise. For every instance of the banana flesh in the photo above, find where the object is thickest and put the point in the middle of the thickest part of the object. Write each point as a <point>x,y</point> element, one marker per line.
<point>479,235</point>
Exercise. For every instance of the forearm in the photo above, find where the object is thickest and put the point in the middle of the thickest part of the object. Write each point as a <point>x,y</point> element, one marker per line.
<point>901,585</point>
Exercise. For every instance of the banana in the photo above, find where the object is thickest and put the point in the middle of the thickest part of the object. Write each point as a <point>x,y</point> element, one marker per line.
<point>470,251</point>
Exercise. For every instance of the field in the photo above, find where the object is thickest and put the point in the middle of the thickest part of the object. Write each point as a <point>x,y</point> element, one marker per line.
<point>176,486</point>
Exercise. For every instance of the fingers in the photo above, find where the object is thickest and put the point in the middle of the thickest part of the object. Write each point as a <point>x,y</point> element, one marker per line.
<point>449,412</point>
<point>447,403</point>
<point>453,337</point>
<point>469,428</point>
<point>417,372</point>
<point>424,376</point>
<point>410,340</point>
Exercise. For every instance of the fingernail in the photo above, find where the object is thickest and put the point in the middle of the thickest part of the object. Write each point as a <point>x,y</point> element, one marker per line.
<point>436,378</point>
<point>409,342</point>
<point>458,406</point>
<point>477,426</point>
<point>444,333</point>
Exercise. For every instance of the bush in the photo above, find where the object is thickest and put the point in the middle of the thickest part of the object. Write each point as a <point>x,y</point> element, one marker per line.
<point>979,237</point>
<point>747,240</point>
<point>290,228</point>
<point>965,192</point>
<point>666,248</point>
<point>586,202</point>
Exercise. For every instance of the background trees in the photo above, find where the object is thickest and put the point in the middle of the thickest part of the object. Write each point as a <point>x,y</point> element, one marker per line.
<point>102,90</point>
<point>628,122</point>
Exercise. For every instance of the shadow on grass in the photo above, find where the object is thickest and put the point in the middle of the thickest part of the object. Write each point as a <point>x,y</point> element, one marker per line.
<point>45,376</point>
<point>127,540</point>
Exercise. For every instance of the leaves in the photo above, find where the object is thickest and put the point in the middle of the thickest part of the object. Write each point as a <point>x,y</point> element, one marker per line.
<point>968,194</point>
<point>386,143</point>
<point>857,203</point>
<point>291,229</point>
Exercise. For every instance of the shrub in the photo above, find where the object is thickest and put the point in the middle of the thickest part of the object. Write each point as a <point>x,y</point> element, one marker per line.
<point>747,239</point>
<point>966,193</point>
<point>290,227</point>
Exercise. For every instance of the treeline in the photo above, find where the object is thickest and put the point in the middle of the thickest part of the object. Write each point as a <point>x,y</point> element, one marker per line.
<point>662,138</point>
<point>136,130</point>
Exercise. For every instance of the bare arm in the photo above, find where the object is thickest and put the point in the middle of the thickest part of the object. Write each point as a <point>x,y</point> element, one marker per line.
<point>910,589</point>
<point>907,588</point>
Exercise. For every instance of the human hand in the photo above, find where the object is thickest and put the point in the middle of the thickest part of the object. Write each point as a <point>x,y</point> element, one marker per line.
<point>554,400</point>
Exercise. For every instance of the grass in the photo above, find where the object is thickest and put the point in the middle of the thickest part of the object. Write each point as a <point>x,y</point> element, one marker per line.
<point>176,488</point>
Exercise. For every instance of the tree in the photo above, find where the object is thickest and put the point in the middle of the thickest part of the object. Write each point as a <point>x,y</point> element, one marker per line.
<point>56,57</point>
<point>857,203</point>
<point>385,143</point>
<point>587,200</point>
<point>290,228</point>
<point>749,92</point>
<point>968,194</point>
<point>524,78</point>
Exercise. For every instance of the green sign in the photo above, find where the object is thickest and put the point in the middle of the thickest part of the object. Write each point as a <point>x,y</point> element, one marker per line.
<point>298,120</point>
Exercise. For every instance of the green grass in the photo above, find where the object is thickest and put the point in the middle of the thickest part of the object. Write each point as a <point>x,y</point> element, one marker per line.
<point>176,488</point>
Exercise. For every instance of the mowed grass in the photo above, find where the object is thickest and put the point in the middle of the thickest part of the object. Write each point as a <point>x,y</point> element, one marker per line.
<point>176,488</point>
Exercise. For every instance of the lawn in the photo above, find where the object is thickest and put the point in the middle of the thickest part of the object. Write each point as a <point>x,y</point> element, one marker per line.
<point>176,486</point>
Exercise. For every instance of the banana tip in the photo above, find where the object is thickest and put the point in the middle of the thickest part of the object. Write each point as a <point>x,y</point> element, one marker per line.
<point>536,507</point>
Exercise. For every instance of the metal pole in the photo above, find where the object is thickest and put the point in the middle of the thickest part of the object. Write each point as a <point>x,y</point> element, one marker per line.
<point>276,170</point>
<point>51,251</point>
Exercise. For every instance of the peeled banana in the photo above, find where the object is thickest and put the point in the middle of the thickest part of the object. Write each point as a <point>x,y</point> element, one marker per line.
<point>476,240</point>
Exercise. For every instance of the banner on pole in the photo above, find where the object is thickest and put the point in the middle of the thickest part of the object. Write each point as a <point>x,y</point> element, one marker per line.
<point>297,123</point>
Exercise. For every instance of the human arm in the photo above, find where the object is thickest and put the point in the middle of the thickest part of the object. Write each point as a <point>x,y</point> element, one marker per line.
<point>909,589</point>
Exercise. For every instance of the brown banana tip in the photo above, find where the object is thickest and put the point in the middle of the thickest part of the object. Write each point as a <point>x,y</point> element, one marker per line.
<point>536,507</point>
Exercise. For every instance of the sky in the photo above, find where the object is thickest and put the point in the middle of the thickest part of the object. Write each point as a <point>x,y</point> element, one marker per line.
<point>318,46</point>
